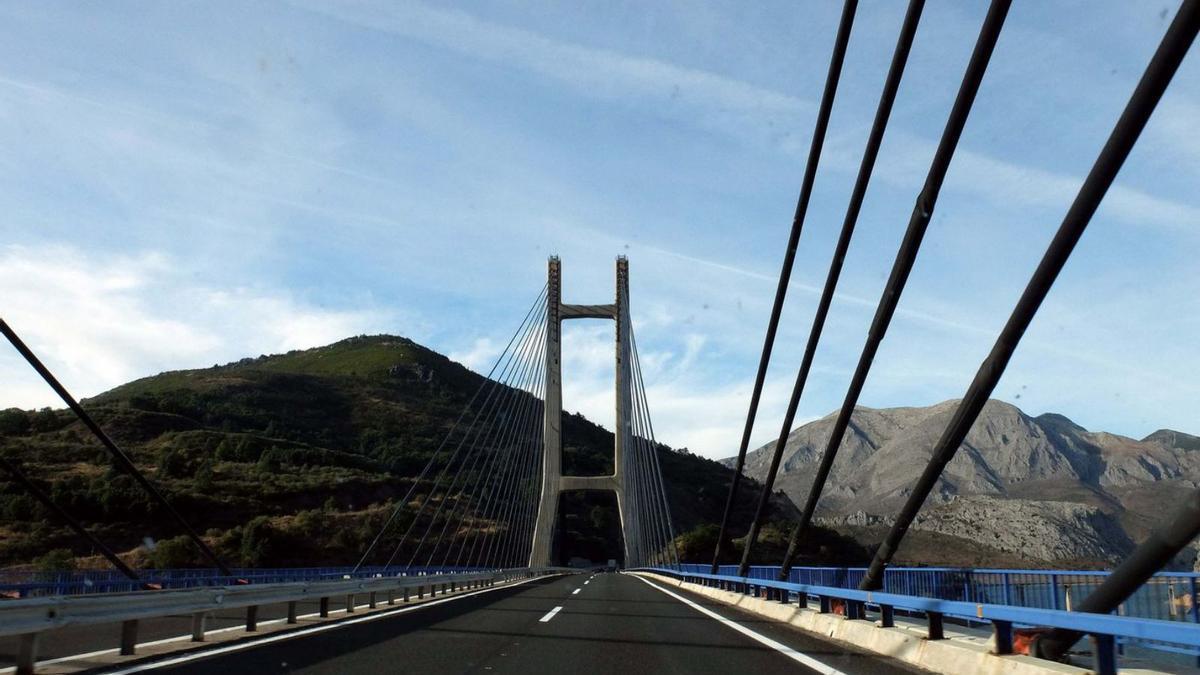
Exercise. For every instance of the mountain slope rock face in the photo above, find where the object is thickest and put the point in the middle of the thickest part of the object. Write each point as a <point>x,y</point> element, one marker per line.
<point>1043,487</point>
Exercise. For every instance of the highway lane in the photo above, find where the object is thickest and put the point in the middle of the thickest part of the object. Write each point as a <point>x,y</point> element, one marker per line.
<point>579,624</point>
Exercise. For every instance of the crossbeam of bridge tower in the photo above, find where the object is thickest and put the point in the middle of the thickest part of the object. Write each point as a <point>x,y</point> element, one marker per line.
<point>553,482</point>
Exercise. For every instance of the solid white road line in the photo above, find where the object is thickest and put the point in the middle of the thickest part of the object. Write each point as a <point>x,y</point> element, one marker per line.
<point>576,591</point>
<point>195,656</point>
<point>550,614</point>
<point>787,651</point>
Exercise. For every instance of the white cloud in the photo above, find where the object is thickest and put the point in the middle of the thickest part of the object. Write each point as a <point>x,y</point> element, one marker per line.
<point>98,323</point>
<point>480,356</point>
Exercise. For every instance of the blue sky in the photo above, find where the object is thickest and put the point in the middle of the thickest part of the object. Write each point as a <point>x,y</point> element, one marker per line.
<point>189,183</point>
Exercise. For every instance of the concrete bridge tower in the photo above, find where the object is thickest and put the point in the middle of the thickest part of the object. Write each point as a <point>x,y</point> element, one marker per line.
<point>553,482</point>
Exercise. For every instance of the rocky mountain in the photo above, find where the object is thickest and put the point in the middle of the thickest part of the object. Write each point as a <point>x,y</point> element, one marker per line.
<point>1032,490</point>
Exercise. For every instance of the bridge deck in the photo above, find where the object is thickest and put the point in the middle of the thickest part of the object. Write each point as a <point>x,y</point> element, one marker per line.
<point>611,623</point>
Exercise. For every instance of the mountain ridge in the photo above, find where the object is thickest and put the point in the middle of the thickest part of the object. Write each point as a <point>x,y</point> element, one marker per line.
<point>1012,472</point>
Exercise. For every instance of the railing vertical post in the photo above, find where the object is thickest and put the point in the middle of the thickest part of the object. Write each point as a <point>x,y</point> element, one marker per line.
<point>129,631</point>
<point>1106,654</point>
<point>1004,636</point>
<point>936,628</point>
<point>1053,591</point>
<point>1007,585</point>
<point>198,620</point>
<point>854,609</point>
<point>27,649</point>
<point>251,618</point>
<point>1195,610</point>
<point>291,612</point>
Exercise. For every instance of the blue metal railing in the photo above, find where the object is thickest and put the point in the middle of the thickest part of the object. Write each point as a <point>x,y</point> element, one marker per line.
<point>79,582</point>
<point>1109,632</point>
<point>1169,596</point>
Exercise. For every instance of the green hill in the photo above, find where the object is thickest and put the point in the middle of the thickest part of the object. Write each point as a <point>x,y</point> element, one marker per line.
<point>291,459</point>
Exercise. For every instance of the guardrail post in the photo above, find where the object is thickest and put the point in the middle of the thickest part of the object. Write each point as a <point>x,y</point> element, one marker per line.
<point>420,592</point>
<point>406,594</point>
<point>936,629</point>
<point>1053,591</point>
<point>1004,636</point>
<point>453,587</point>
<point>826,605</point>
<point>198,620</point>
<point>27,648</point>
<point>391,597</point>
<point>291,612</point>
<point>887,616</point>
<point>371,600</point>
<point>323,608</point>
<point>251,618</point>
<point>350,603</point>
<point>129,630</point>
<point>854,609</point>
<point>1106,654</point>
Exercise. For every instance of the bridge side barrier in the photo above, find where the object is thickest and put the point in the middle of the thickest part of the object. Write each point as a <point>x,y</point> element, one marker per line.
<point>1105,630</point>
<point>1173,596</point>
<point>26,584</point>
<point>29,618</point>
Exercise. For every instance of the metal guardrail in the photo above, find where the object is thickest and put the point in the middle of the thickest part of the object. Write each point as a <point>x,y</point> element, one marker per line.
<point>29,618</point>
<point>77,582</point>
<point>1104,629</point>
<point>1173,596</point>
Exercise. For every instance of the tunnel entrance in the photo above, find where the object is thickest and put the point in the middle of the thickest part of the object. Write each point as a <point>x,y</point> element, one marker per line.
<point>588,530</point>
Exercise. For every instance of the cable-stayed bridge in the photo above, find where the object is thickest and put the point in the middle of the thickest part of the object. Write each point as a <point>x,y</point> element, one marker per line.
<point>467,573</point>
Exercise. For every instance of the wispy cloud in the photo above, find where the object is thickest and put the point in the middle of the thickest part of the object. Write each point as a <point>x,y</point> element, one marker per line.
<point>721,103</point>
<point>101,322</point>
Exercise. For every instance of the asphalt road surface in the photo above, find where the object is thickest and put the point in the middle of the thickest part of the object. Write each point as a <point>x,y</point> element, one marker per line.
<point>578,624</point>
